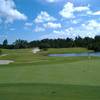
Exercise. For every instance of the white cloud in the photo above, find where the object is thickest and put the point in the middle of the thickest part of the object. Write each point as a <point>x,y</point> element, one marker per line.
<point>39,29</point>
<point>44,17</point>
<point>59,34</point>
<point>75,21</point>
<point>94,13</point>
<point>88,29</point>
<point>27,24</point>
<point>52,25</point>
<point>12,29</point>
<point>81,8</point>
<point>92,25</point>
<point>69,10</point>
<point>53,1</point>
<point>97,13</point>
<point>9,12</point>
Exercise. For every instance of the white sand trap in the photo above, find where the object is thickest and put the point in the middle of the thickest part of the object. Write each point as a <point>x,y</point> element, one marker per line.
<point>4,62</point>
<point>35,50</point>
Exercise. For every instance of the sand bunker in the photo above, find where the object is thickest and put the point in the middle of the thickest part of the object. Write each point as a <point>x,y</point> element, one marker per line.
<point>3,55</point>
<point>4,62</point>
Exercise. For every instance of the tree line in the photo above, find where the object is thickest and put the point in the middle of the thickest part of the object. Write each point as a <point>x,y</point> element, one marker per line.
<point>86,42</point>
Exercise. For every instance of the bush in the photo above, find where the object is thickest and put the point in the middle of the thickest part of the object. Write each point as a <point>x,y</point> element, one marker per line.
<point>44,46</point>
<point>0,52</point>
<point>95,47</point>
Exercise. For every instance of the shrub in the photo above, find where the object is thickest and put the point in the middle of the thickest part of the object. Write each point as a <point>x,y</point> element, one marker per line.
<point>0,51</point>
<point>95,47</point>
<point>44,46</point>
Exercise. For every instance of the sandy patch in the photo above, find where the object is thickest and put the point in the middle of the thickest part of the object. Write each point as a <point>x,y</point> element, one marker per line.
<point>4,62</point>
<point>3,55</point>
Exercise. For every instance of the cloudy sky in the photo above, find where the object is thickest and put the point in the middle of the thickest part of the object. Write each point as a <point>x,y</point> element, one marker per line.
<point>39,19</point>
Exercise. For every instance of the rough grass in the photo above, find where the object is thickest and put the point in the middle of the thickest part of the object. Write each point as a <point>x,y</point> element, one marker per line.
<point>26,55</point>
<point>38,77</point>
<point>67,50</point>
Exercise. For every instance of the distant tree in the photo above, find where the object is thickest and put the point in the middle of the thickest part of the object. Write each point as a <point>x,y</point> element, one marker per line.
<point>18,44</point>
<point>44,46</point>
<point>69,43</point>
<point>11,46</point>
<point>86,42</point>
<point>34,44</point>
<point>96,45</point>
<point>0,45</point>
<point>78,41</point>
<point>97,38</point>
<point>5,43</point>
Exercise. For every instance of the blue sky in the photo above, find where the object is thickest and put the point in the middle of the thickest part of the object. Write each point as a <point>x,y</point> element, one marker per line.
<point>39,19</point>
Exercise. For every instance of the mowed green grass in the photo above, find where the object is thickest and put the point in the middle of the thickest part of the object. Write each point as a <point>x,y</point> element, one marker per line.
<point>68,50</point>
<point>39,77</point>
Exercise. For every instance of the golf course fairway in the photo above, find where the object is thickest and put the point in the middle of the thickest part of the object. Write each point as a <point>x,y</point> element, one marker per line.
<point>39,77</point>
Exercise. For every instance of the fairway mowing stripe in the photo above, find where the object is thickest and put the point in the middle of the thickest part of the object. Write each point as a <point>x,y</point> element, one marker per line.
<point>50,89</point>
<point>44,84</point>
<point>40,60</point>
<point>32,61</point>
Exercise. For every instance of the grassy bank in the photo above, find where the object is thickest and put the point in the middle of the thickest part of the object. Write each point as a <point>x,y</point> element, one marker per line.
<point>26,55</point>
